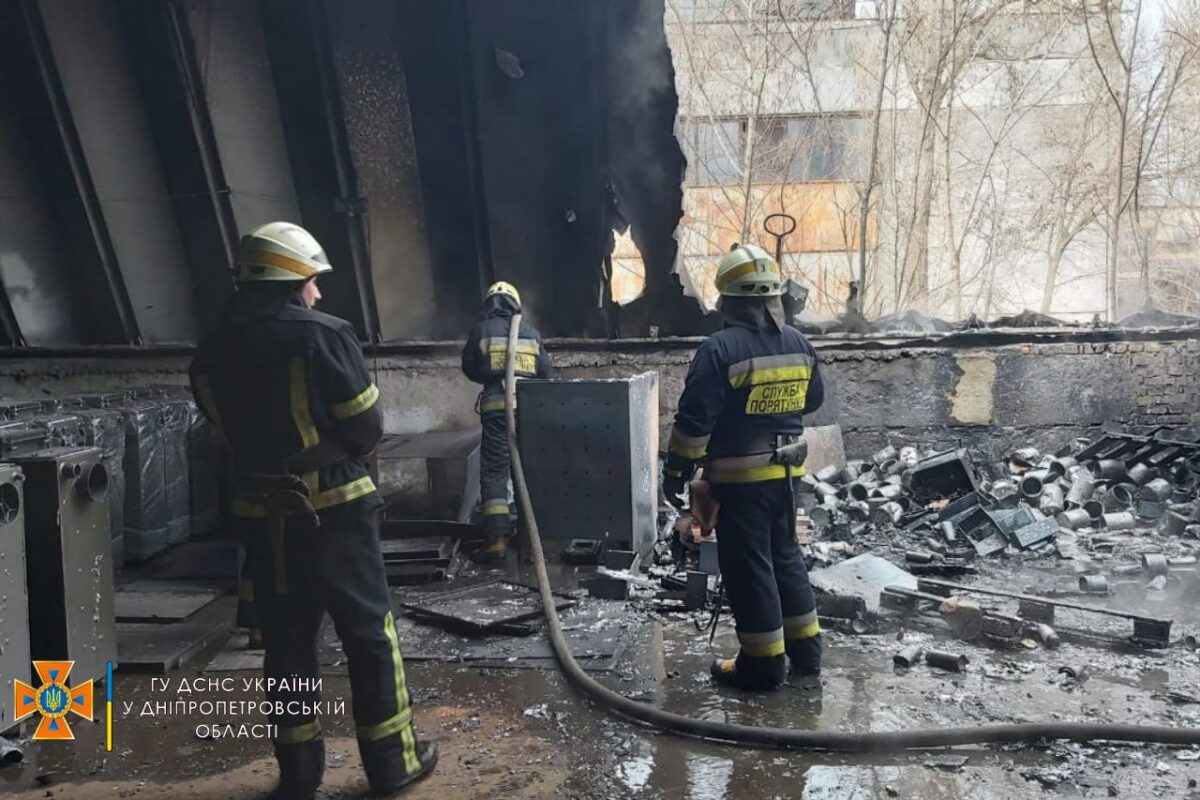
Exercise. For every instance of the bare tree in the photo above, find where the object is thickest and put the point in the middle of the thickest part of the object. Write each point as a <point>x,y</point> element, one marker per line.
<point>759,137</point>
<point>1140,82</point>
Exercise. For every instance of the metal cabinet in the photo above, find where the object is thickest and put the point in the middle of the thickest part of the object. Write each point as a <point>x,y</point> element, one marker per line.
<point>68,560</point>
<point>14,605</point>
<point>590,451</point>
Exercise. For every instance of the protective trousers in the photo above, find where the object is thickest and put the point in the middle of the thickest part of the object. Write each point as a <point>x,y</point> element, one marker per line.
<point>335,567</point>
<point>494,469</point>
<point>764,575</point>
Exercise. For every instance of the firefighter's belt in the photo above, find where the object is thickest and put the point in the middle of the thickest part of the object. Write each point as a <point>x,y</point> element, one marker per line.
<point>281,496</point>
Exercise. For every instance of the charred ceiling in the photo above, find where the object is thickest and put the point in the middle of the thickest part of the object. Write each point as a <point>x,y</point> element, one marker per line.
<point>432,147</point>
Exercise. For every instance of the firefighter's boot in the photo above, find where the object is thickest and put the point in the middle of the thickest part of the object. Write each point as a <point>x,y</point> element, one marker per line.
<point>391,765</point>
<point>747,672</point>
<point>301,767</point>
<point>805,655</point>
<point>497,529</point>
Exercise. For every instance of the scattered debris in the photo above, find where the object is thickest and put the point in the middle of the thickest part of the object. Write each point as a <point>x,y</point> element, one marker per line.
<point>951,662</point>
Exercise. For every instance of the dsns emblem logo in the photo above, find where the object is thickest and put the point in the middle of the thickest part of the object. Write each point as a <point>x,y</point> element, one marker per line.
<point>53,700</point>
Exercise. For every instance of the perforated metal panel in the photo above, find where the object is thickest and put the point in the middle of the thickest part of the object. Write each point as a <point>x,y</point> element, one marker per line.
<point>590,451</point>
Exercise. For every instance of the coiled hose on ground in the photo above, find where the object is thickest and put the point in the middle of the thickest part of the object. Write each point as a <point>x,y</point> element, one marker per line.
<point>784,738</point>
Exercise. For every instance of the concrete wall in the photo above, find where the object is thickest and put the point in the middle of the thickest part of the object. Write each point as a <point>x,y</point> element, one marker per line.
<point>987,391</point>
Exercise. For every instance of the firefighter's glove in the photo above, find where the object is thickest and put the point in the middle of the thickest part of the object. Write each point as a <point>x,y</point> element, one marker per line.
<point>675,488</point>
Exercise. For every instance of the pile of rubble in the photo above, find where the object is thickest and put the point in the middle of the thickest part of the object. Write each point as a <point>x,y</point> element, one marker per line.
<point>1090,493</point>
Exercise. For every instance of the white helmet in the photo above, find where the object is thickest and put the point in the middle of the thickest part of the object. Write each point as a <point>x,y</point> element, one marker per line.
<point>748,271</point>
<point>280,251</point>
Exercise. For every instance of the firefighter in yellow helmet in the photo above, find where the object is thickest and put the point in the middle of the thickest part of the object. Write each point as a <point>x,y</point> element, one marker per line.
<point>483,362</point>
<point>288,388</point>
<point>741,415</point>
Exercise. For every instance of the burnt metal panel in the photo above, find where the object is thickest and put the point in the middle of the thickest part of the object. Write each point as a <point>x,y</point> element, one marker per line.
<point>14,604</point>
<point>513,140</point>
<point>441,95</point>
<point>370,81</point>
<point>114,134</point>
<point>590,451</point>
<point>94,281</point>
<point>68,562</point>
<point>330,205</point>
<point>239,92</point>
<point>163,58</point>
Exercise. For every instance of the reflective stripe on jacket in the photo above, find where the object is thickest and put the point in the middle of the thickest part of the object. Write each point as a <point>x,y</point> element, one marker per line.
<point>744,387</point>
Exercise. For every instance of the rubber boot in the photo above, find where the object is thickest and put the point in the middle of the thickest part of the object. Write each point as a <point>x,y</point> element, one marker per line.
<point>300,769</point>
<point>497,529</point>
<point>493,552</point>
<point>383,761</point>
<point>805,655</point>
<point>753,674</point>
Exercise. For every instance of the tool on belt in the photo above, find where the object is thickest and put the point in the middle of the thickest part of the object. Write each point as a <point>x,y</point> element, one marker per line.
<point>286,494</point>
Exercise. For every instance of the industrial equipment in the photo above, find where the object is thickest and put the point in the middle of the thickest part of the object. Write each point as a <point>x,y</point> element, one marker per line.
<point>68,560</point>
<point>14,606</point>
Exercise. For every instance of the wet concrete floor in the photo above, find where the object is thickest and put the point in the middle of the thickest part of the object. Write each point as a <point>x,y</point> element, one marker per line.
<point>522,733</point>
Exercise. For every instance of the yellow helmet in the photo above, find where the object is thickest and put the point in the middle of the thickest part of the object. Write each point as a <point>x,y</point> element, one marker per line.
<point>504,288</point>
<point>280,251</point>
<point>748,271</point>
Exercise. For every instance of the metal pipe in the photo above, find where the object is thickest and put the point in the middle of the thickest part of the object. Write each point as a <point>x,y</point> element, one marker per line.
<point>828,474</point>
<point>907,657</point>
<point>1157,489</point>
<point>823,516</point>
<point>1076,672</point>
<point>1118,497</point>
<point>885,455</point>
<point>1025,457</point>
<point>1110,469</point>
<point>1118,521</point>
<point>1094,509</point>
<point>1031,484</point>
<point>1044,634</point>
<point>1074,519</point>
<point>951,662</point>
<point>1052,502</point>
<point>1093,584</point>
<point>10,753</point>
<point>887,490</point>
<point>825,490</point>
<point>949,532</point>
<point>1155,564</point>
<point>1062,465</point>
<point>854,491</point>
<point>1082,489</point>
<point>887,513</point>
<point>1141,474</point>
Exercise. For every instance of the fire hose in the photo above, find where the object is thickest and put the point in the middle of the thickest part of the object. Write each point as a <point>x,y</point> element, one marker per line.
<point>784,738</point>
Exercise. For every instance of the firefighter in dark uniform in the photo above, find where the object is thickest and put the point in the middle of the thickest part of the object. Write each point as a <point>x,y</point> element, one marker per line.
<point>483,361</point>
<point>289,390</point>
<point>743,405</point>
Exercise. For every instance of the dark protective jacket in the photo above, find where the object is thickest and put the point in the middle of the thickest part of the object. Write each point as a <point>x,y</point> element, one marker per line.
<point>279,378</point>
<point>486,351</point>
<point>746,385</point>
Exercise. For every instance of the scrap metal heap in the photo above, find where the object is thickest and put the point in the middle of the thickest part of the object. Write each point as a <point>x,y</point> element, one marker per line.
<point>1121,492</point>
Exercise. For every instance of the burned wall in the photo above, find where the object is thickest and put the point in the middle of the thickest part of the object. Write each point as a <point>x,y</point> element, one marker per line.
<point>989,396</point>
